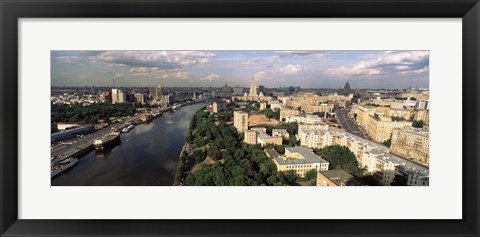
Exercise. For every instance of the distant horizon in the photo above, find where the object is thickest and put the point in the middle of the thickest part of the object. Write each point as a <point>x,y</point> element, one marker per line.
<point>284,87</point>
<point>273,69</point>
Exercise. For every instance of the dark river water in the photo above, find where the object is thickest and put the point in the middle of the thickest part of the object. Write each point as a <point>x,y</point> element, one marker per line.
<point>147,155</point>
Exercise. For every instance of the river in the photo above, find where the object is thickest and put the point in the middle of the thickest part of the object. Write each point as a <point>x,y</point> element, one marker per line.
<point>147,155</point>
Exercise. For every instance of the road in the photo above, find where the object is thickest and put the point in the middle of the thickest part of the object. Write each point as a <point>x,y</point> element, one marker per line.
<point>348,123</point>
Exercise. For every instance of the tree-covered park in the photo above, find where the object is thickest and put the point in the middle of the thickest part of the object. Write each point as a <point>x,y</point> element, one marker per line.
<point>89,114</point>
<point>220,158</point>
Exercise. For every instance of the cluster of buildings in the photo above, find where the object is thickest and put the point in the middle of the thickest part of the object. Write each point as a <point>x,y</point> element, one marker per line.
<point>217,106</point>
<point>252,95</point>
<point>76,98</point>
<point>119,96</point>
<point>380,117</point>
<point>310,102</point>
<point>376,158</point>
<point>258,135</point>
<point>304,119</point>
<point>383,119</point>
<point>155,96</point>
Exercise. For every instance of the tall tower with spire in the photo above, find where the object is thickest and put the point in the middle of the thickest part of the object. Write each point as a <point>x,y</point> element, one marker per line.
<point>253,87</point>
<point>346,88</point>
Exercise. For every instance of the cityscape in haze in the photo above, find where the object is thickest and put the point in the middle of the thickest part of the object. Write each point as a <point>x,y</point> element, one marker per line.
<point>240,118</point>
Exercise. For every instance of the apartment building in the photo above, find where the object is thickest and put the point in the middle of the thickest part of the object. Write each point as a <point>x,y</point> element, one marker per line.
<point>298,159</point>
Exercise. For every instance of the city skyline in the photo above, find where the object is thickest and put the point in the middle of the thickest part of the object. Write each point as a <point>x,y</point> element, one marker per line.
<point>308,69</point>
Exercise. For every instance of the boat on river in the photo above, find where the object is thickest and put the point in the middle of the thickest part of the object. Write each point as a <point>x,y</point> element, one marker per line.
<point>62,166</point>
<point>107,141</point>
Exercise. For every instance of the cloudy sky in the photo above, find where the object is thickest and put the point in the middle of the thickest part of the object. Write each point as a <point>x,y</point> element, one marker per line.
<point>308,69</point>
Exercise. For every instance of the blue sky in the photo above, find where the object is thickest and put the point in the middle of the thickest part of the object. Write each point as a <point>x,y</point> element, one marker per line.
<point>307,69</point>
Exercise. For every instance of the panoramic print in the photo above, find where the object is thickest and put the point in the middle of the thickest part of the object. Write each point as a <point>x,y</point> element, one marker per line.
<point>239,118</point>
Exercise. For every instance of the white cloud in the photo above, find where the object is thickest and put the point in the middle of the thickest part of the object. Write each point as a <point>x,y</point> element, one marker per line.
<point>155,59</point>
<point>314,53</point>
<point>260,75</point>
<point>144,70</point>
<point>118,75</point>
<point>402,67</point>
<point>210,77</point>
<point>157,73</point>
<point>176,75</point>
<point>276,73</point>
<point>67,59</point>
<point>260,61</point>
<point>387,64</point>
<point>359,69</point>
<point>410,57</point>
<point>291,69</point>
<point>418,71</point>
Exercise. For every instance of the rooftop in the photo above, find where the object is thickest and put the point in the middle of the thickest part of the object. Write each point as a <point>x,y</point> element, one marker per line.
<point>306,156</point>
<point>340,176</point>
<point>418,131</point>
<point>377,150</point>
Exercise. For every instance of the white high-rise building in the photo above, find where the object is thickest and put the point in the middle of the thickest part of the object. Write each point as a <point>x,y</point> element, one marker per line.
<point>253,88</point>
<point>118,96</point>
<point>423,104</point>
<point>156,93</point>
<point>139,98</point>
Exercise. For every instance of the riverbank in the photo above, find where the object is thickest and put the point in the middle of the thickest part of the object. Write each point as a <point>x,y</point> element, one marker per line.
<point>148,155</point>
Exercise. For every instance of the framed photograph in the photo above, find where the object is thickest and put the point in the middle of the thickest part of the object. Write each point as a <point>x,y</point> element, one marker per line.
<point>252,118</point>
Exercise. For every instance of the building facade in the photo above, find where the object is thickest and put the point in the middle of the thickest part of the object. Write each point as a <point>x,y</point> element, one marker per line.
<point>139,98</point>
<point>280,133</point>
<point>304,119</point>
<point>298,159</point>
<point>380,128</point>
<point>286,112</point>
<point>377,159</point>
<point>258,135</point>
<point>118,96</point>
<point>303,127</point>
<point>219,106</point>
<point>240,121</point>
<point>263,105</point>
<point>156,93</point>
<point>250,137</point>
<point>411,143</point>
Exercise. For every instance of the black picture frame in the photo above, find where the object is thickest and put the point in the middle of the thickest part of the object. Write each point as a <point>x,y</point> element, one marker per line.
<point>11,11</point>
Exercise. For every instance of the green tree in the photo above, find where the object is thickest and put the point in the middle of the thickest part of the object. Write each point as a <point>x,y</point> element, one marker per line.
<point>89,114</point>
<point>399,180</point>
<point>388,142</point>
<point>199,141</point>
<point>214,153</point>
<point>418,124</point>
<point>199,155</point>
<point>340,157</point>
<point>311,175</point>
<point>289,177</point>
<point>395,118</point>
